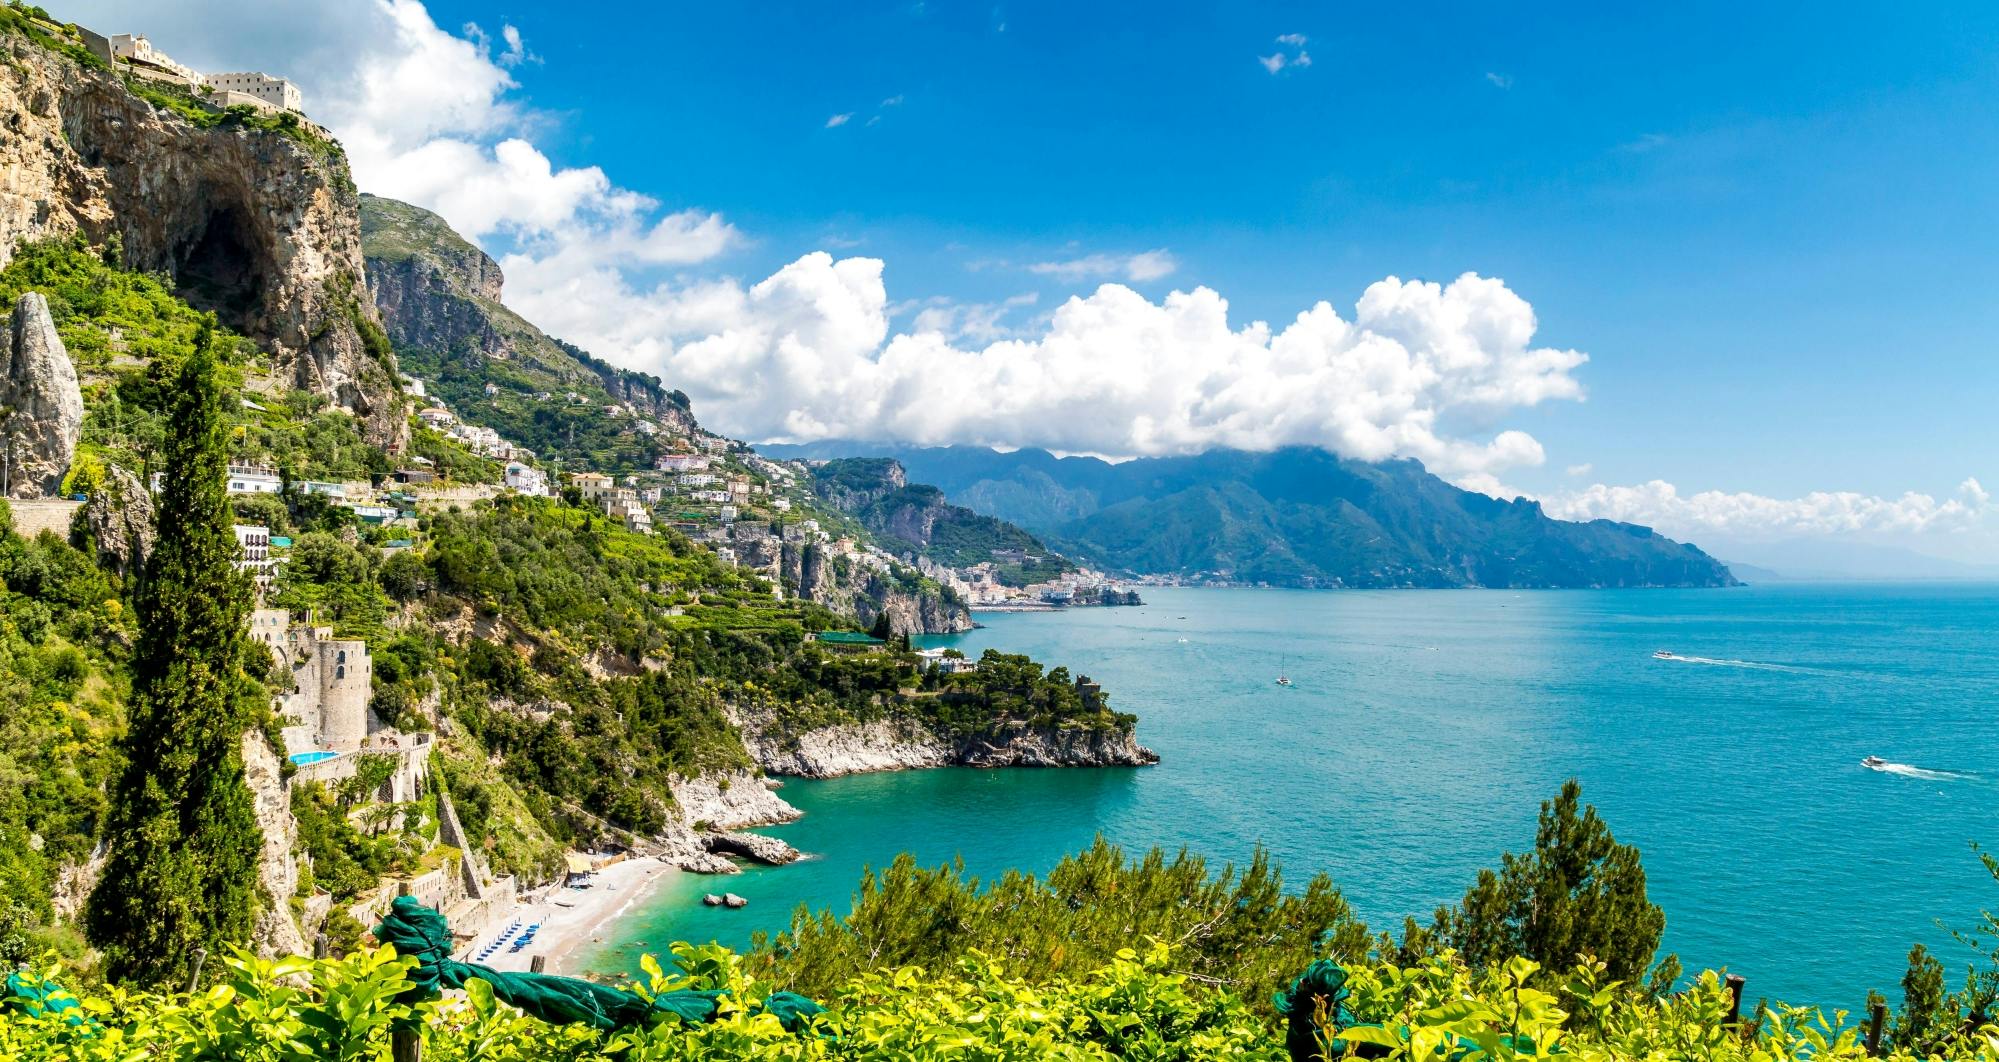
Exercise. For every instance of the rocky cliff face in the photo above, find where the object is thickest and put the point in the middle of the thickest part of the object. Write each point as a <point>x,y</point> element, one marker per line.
<point>919,612</point>
<point>277,869</point>
<point>256,225</point>
<point>713,805</point>
<point>120,519</point>
<point>438,293</point>
<point>41,406</point>
<point>901,744</point>
<point>867,594</point>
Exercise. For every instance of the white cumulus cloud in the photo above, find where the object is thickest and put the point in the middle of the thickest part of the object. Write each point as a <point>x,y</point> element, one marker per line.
<point>1137,268</point>
<point>1661,505</point>
<point>464,152</point>
<point>1290,53</point>
<point>808,353</point>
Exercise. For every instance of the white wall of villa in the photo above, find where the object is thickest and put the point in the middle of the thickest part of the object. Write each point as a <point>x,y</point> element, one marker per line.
<point>274,91</point>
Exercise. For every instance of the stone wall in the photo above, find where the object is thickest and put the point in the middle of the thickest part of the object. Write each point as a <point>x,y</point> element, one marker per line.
<point>31,518</point>
<point>412,770</point>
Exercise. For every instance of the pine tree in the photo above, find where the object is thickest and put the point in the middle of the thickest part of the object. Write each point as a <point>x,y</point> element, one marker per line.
<point>1578,892</point>
<point>182,834</point>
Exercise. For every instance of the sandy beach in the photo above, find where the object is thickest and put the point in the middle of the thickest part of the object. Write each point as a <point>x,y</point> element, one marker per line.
<point>569,918</point>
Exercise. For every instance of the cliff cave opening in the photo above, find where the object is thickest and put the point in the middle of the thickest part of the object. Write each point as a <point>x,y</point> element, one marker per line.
<point>219,267</point>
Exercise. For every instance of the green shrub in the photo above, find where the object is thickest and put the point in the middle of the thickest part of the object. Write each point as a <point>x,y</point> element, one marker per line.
<point>1136,1005</point>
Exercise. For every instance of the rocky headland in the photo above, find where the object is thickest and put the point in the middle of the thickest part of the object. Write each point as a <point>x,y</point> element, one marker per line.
<point>902,744</point>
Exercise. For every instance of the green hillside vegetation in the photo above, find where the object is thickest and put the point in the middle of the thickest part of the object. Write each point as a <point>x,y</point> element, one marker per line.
<point>582,619</point>
<point>65,642</point>
<point>582,615</point>
<point>126,333</point>
<point>582,667</point>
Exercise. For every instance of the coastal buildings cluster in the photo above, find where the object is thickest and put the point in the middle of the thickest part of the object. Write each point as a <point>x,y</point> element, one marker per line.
<point>980,587</point>
<point>134,54</point>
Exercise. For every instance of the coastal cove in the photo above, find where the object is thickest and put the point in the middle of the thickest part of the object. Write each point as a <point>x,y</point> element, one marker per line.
<point>1423,730</point>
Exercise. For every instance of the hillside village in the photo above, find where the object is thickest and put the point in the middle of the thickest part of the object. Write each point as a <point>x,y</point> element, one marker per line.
<point>477,557</point>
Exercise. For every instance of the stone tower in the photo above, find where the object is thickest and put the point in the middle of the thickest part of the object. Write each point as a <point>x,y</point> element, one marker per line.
<point>344,689</point>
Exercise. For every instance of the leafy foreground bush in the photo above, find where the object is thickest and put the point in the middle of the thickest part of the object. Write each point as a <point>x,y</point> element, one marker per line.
<point>1135,1007</point>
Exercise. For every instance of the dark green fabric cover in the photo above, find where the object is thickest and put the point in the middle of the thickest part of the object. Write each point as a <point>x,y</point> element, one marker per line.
<point>421,932</point>
<point>34,997</point>
<point>1323,980</point>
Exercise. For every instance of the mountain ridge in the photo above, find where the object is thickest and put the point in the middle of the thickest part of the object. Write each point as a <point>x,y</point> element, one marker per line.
<point>1295,516</point>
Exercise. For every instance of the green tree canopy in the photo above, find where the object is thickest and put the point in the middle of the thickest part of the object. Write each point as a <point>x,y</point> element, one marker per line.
<point>1578,892</point>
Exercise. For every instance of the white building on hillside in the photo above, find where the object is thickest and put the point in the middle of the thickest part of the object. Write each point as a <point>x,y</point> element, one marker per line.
<point>274,91</point>
<point>253,546</point>
<point>136,49</point>
<point>253,479</point>
<point>594,486</point>
<point>526,478</point>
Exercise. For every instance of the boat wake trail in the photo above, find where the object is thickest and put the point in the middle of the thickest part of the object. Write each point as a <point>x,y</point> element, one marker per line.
<point>1750,664</point>
<point>1906,770</point>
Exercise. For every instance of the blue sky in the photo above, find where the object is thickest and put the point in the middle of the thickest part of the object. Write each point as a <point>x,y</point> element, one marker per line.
<point>1771,230</point>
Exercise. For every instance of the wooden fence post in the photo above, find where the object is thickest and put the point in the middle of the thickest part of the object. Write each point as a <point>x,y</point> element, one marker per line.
<point>1735,983</point>
<point>538,963</point>
<point>1876,1014</point>
<point>405,1038</point>
<point>194,975</point>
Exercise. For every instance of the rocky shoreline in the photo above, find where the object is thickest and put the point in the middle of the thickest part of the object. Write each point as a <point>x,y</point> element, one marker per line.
<point>717,806</point>
<point>899,744</point>
<point>716,809</point>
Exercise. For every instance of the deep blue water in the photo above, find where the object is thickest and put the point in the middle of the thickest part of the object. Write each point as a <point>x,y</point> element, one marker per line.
<point>1424,728</point>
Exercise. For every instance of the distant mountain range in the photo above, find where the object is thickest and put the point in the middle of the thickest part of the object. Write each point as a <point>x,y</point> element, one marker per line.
<point>1292,517</point>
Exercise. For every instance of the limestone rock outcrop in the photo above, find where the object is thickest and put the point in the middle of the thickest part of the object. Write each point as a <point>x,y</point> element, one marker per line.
<point>754,847</point>
<point>810,567</point>
<point>259,226</point>
<point>712,804</point>
<point>439,294</point>
<point>41,405</point>
<point>903,744</point>
<point>277,869</point>
<point>120,519</point>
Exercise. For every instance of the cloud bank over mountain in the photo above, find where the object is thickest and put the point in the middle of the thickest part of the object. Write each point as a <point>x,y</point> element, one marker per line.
<point>808,354</point>
<point>1661,504</point>
<point>1416,369</point>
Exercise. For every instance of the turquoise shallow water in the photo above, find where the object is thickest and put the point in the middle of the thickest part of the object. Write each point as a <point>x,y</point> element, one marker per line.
<point>1424,728</point>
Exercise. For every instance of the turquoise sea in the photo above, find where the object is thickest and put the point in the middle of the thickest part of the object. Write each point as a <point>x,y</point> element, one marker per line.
<point>1424,728</point>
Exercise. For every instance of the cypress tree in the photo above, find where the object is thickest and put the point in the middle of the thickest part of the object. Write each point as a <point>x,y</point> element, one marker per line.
<point>182,834</point>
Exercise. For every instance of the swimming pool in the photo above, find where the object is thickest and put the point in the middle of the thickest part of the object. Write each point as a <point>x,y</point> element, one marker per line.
<point>303,758</point>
